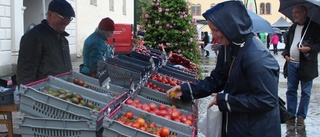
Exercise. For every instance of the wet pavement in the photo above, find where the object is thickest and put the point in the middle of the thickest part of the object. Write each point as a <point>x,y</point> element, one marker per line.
<point>312,122</point>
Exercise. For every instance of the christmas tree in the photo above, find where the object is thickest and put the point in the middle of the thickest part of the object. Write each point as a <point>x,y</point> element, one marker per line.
<point>169,24</point>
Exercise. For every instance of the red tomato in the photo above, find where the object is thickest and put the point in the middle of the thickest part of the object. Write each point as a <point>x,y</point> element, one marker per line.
<point>135,125</point>
<point>152,106</point>
<point>162,107</point>
<point>146,108</point>
<point>164,132</point>
<point>129,115</point>
<point>183,118</point>
<point>152,125</point>
<point>137,101</point>
<point>175,115</point>
<point>129,101</point>
<point>167,117</point>
<point>162,112</point>
<point>188,122</point>
<point>141,121</point>
<point>177,120</point>
<point>189,117</point>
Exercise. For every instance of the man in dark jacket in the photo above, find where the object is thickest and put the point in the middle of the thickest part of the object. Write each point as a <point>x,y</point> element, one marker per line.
<point>302,62</point>
<point>44,50</point>
<point>206,41</point>
<point>246,72</point>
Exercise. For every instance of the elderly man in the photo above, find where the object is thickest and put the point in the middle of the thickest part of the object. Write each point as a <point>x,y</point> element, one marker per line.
<point>302,62</point>
<point>44,50</point>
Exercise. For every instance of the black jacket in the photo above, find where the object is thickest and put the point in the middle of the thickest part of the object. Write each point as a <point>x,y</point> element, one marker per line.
<point>249,98</point>
<point>308,68</point>
<point>43,52</point>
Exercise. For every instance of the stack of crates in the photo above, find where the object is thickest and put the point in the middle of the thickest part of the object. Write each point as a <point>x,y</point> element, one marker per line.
<point>47,115</point>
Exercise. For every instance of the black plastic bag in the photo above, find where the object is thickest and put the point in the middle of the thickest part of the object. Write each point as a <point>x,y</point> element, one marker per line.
<point>284,114</point>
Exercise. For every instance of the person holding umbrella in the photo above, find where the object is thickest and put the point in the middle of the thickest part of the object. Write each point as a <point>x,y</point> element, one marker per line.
<point>301,54</point>
<point>244,83</point>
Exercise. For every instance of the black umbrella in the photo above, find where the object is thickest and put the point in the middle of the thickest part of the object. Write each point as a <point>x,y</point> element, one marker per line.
<point>313,7</point>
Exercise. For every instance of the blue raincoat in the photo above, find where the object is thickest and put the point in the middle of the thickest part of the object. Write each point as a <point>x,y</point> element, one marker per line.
<point>248,91</point>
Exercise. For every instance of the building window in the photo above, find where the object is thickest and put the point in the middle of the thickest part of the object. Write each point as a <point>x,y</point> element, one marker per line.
<point>265,8</point>
<point>111,5</point>
<point>93,2</point>
<point>212,4</point>
<point>262,9</point>
<point>193,9</point>
<point>268,8</point>
<point>124,7</point>
<point>198,9</point>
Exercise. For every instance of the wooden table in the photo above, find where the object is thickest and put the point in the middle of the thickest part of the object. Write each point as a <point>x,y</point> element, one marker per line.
<point>7,110</point>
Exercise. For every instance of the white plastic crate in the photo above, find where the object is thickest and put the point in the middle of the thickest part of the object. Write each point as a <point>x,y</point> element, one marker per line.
<point>48,127</point>
<point>34,102</point>
<point>113,128</point>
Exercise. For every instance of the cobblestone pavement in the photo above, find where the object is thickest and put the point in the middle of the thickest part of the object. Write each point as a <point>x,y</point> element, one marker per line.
<point>312,122</point>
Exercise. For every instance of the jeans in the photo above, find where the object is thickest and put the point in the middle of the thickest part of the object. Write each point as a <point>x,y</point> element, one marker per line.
<point>292,95</point>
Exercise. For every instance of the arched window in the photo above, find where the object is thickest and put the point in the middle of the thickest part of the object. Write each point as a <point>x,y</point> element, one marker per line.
<point>198,9</point>
<point>268,8</point>
<point>262,9</point>
<point>212,4</point>
<point>193,9</point>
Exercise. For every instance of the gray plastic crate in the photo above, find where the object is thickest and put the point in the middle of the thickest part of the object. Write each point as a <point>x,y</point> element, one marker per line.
<point>46,127</point>
<point>113,128</point>
<point>93,83</point>
<point>34,102</point>
<point>159,97</point>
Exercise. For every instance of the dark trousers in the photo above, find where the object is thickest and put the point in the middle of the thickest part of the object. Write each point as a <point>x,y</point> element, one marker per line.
<point>275,49</point>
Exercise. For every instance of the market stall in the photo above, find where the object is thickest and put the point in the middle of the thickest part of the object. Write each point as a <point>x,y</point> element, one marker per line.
<point>128,99</point>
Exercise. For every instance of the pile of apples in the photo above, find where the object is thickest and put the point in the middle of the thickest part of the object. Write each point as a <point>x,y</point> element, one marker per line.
<point>179,59</point>
<point>141,124</point>
<point>171,113</point>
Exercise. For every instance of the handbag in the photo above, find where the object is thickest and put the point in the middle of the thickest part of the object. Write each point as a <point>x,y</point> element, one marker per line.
<point>211,125</point>
<point>284,114</point>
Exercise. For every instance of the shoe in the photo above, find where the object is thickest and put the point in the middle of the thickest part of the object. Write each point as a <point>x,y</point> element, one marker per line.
<point>291,120</point>
<point>300,121</point>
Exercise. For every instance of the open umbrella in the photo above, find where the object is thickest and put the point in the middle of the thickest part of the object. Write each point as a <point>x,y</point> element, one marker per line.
<point>259,24</point>
<point>277,31</point>
<point>313,7</point>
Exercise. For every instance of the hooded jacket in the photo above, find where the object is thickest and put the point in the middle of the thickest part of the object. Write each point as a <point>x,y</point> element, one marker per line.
<point>248,89</point>
<point>43,52</point>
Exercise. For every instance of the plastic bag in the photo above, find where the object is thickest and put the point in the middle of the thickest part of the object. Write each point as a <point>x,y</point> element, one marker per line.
<point>208,47</point>
<point>211,125</point>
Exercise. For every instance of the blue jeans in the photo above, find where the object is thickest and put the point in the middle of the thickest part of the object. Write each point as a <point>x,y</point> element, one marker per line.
<point>292,95</point>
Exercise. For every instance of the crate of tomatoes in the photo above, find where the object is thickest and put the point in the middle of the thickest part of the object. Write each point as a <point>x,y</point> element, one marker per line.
<point>128,120</point>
